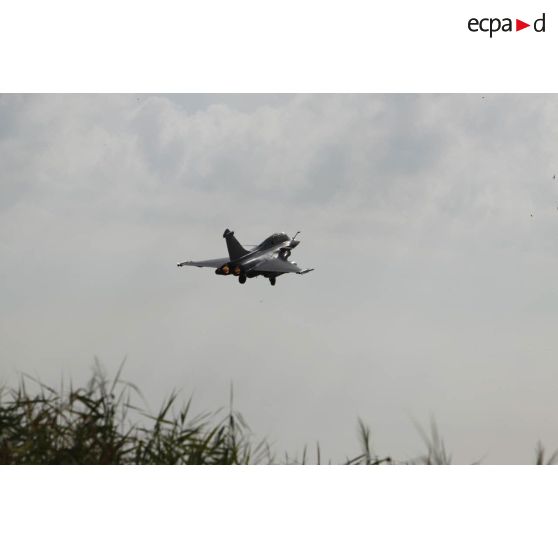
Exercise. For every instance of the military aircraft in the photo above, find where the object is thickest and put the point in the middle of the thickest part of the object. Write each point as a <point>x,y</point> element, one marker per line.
<point>269,259</point>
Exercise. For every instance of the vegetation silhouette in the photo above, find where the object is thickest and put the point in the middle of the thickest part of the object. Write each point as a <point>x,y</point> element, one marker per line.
<point>100,424</point>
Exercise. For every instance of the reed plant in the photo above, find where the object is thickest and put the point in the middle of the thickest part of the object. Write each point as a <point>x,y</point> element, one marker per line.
<point>108,422</point>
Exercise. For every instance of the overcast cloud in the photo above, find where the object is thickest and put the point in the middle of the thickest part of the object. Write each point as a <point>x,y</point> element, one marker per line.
<point>431,221</point>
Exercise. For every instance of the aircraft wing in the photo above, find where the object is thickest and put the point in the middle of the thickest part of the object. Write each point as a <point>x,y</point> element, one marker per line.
<point>206,263</point>
<point>278,265</point>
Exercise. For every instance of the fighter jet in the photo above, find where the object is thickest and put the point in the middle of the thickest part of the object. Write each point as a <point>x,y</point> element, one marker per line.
<point>269,259</point>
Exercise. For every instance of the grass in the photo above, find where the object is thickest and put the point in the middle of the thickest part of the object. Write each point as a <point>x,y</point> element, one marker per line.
<point>94,425</point>
<point>101,424</point>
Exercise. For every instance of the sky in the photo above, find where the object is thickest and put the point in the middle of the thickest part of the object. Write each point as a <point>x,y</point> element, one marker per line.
<point>431,222</point>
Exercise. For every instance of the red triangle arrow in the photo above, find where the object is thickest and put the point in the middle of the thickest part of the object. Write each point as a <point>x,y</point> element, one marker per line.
<point>519,25</point>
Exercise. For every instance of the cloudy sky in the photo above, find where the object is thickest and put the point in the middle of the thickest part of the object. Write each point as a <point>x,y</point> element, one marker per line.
<point>432,222</point>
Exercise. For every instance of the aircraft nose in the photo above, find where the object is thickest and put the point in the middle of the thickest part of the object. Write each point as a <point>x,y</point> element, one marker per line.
<point>295,243</point>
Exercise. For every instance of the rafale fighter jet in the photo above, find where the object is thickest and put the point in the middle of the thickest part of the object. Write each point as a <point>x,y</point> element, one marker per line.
<point>270,258</point>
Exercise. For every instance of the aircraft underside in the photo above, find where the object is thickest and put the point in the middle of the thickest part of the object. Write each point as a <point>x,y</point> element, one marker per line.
<point>242,274</point>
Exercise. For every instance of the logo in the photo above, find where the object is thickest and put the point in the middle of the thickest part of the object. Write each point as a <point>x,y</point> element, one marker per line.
<point>493,25</point>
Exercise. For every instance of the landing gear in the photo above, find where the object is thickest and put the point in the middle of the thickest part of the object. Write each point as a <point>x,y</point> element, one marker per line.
<point>272,281</point>
<point>242,278</point>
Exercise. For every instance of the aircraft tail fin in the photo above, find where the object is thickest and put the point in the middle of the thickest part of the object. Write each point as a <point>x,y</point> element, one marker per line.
<point>236,250</point>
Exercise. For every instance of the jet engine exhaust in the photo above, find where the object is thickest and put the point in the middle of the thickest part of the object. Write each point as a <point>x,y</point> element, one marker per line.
<point>224,270</point>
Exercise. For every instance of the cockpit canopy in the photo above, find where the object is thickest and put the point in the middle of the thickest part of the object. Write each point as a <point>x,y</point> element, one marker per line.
<point>273,240</point>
